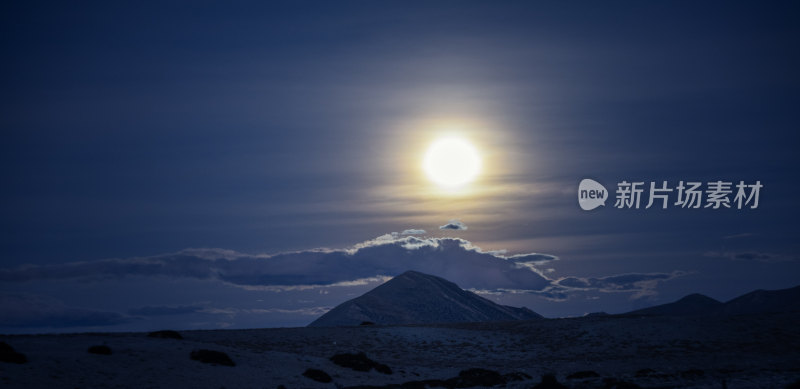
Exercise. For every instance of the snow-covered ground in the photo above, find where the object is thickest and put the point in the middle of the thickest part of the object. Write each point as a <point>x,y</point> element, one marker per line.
<point>756,351</point>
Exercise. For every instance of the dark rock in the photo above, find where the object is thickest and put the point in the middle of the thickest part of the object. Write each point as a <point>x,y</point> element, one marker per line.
<point>425,384</point>
<point>9,355</point>
<point>645,372</point>
<point>281,387</point>
<point>613,383</point>
<point>549,382</point>
<point>367,323</point>
<point>359,362</point>
<point>516,376</point>
<point>318,375</point>
<point>466,379</point>
<point>692,373</point>
<point>100,349</point>
<point>414,385</point>
<point>421,384</point>
<point>794,385</point>
<point>583,374</point>
<point>165,334</point>
<point>478,377</point>
<point>388,386</point>
<point>211,356</point>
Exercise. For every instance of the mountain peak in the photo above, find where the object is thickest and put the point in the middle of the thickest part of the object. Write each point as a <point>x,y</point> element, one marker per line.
<point>412,274</point>
<point>416,298</point>
<point>699,298</point>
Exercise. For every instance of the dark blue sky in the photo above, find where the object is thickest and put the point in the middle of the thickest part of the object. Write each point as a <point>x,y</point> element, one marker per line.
<point>134,131</point>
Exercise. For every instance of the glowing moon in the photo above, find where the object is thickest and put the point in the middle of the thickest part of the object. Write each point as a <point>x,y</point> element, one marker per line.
<point>452,162</point>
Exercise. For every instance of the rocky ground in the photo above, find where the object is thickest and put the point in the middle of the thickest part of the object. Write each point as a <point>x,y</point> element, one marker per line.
<point>751,351</point>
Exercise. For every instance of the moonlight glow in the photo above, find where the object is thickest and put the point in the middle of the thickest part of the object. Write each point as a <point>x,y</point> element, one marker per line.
<point>452,162</point>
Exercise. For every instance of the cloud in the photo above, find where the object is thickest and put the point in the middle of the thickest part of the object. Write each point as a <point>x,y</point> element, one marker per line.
<point>750,256</point>
<point>630,281</point>
<point>413,232</point>
<point>753,256</point>
<point>374,260</point>
<point>164,311</point>
<point>233,311</point>
<point>27,310</point>
<point>454,225</point>
<point>641,284</point>
<point>529,259</point>
<point>341,284</point>
<point>367,263</point>
<point>638,284</point>
<point>738,236</point>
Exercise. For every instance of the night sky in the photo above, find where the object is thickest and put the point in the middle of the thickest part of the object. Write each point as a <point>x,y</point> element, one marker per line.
<point>253,164</point>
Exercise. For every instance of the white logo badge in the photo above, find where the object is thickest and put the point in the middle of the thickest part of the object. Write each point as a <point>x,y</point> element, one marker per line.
<point>591,194</point>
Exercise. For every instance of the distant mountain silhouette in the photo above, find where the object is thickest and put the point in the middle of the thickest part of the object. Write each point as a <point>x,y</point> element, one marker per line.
<point>417,298</point>
<point>765,301</point>
<point>693,304</point>
<point>759,301</point>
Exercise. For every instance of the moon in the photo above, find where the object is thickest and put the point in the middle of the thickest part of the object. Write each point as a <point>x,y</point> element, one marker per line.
<point>452,162</point>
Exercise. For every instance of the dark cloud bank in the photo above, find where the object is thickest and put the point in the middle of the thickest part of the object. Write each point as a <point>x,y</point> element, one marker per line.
<point>317,279</point>
<point>381,258</point>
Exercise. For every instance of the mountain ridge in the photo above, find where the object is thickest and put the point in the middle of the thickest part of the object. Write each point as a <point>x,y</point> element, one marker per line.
<point>755,302</point>
<point>418,298</point>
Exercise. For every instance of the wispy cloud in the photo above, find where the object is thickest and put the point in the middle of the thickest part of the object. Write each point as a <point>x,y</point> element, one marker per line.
<point>164,310</point>
<point>738,236</point>
<point>233,311</point>
<point>641,284</point>
<point>636,284</point>
<point>750,255</point>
